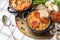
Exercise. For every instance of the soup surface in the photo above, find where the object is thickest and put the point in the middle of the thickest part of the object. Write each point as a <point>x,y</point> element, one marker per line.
<point>36,22</point>
<point>20,4</point>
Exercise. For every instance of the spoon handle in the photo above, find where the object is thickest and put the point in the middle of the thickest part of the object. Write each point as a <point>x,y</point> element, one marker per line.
<point>12,34</point>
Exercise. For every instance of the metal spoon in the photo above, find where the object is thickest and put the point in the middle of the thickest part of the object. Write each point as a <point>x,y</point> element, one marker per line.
<point>7,23</point>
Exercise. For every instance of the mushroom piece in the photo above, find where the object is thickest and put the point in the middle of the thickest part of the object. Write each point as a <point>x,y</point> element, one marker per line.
<point>55,8</point>
<point>47,3</point>
<point>40,7</point>
<point>51,6</point>
<point>44,13</point>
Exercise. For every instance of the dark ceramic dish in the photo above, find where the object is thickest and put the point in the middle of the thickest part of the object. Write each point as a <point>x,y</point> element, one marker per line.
<point>12,10</point>
<point>42,32</point>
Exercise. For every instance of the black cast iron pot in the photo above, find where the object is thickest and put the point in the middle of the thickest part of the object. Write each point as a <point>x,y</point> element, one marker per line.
<point>12,10</point>
<point>39,32</point>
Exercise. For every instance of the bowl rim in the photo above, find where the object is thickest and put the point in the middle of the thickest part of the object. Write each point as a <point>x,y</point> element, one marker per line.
<point>34,29</point>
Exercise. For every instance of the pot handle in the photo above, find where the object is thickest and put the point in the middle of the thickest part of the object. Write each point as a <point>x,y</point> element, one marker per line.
<point>24,14</point>
<point>11,10</point>
<point>52,26</point>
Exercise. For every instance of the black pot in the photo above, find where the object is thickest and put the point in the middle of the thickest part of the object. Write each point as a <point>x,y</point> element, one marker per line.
<point>39,32</point>
<point>42,32</point>
<point>12,10</point>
